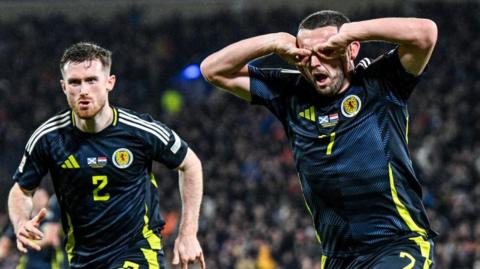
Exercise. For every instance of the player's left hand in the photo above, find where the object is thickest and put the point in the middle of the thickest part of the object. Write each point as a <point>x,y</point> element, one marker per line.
<point>187,250</point>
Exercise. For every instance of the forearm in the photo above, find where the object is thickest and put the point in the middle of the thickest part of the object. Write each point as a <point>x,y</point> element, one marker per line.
<point>416,32</point>
<point>231,59</point>
<point>191,191</point>
<point>20,206</point>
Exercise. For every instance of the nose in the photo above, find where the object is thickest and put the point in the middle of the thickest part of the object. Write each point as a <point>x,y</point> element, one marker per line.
<point>315,61</point>
<point>83,88</point>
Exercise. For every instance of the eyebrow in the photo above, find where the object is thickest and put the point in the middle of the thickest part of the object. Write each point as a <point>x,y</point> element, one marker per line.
<point>70,80</point>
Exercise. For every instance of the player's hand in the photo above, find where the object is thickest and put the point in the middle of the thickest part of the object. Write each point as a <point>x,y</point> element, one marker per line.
<point>336,47</point>
<point>286,48</point>
<point>28,233</point>
<point>187,250</point>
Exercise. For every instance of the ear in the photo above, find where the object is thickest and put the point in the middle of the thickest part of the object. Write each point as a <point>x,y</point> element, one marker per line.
<point>64,89</point>
<point>111,82</point>
<point>354,49</point>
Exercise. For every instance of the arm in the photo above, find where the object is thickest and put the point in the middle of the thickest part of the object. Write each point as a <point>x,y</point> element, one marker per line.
<point>20,207</point>
<point>228,68</point>
<point>416,38</point>
<point>187,248</point>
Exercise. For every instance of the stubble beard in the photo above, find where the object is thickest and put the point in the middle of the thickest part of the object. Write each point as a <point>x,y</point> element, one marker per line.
<point>334,88</point>
<point>89,113</point>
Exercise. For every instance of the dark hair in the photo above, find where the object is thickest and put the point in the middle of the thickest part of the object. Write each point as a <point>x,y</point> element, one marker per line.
<point>86,51</point>
<point>323,18</point>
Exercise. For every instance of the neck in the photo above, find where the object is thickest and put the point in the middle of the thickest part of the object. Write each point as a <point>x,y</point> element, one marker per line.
<point>97,123</point>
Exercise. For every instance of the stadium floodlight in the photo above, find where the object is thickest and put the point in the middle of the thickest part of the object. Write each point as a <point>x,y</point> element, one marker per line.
<point>191,72</point>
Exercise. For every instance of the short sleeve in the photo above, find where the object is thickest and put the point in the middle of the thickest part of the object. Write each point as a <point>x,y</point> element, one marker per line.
<point>33,166</point>
<point>271,87</point>
<point>168,148</point>
<point>390,70</point>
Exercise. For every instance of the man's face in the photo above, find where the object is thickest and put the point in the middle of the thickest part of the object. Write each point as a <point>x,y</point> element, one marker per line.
<point>86,85</point>
<point>327,76</point>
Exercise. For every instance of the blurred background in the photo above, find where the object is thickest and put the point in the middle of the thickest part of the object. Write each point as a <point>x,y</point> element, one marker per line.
<point>253,213</point>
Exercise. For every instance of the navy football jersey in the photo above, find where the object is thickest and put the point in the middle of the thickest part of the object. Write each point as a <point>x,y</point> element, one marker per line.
<point>102,181</point>
<point>351,153</point>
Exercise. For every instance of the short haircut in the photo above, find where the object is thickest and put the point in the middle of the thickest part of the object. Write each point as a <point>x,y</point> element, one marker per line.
<point>323,18</point>
<point>86,51</point>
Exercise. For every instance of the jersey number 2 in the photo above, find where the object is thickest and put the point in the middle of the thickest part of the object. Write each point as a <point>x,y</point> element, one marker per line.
<point>101,182</point>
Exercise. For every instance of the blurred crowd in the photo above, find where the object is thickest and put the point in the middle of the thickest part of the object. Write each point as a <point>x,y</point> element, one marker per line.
<point>253,213</point>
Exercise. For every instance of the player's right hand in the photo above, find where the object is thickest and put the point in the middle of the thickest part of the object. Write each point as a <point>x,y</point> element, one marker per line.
<point>286,47</point>
<point>29,232</point>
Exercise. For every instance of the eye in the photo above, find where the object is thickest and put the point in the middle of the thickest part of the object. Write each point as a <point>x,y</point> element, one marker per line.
<point>91,80</point>
<point>74,82</point>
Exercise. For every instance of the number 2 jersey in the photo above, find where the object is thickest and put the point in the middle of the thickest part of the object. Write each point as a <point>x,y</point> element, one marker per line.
<point>351,153</point>
<point>103,181</point>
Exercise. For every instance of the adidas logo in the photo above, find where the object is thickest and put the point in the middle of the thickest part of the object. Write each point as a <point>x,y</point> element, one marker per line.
<point>70,163</point>
<point>308,114</point>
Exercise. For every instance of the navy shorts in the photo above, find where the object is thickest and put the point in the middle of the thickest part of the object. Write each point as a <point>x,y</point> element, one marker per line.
<point>409,253</point>
<point>141,255</point>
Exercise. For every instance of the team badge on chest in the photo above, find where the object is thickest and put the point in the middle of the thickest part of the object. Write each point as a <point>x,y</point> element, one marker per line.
<point>122,158</point>
<point>351,105</point>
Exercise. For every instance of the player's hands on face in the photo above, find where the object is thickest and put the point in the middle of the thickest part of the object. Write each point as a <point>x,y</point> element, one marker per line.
<point>287,49</point>
<point>187,250</point>
<point>336,47</point>
<point>29,232</point>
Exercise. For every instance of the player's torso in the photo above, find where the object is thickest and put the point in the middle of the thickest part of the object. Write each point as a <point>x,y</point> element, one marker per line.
<point>344,148</point>
<point>103,185</point>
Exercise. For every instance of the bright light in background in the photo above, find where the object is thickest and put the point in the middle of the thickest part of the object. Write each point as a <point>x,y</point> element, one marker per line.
<point>191,72</point>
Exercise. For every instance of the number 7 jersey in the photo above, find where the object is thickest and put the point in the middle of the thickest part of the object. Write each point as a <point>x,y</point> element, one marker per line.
<point>351,153</point>
<point>103,181</point>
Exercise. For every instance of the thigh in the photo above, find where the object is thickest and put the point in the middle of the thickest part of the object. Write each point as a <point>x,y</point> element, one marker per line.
<point>412,253</point>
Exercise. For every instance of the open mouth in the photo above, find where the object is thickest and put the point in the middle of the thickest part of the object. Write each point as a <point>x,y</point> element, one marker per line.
<point>321,78</point>
<point>83,103</point>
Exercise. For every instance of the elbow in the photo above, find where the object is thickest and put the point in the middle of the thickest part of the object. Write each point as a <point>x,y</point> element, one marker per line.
<point>427,34</point>
<point>212,72</point>
<point>207,72</point>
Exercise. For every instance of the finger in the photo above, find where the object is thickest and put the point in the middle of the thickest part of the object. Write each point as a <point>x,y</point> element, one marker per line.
<point>202,262</point>
<point>31,232</point>
<point>176,258</point>
<point>21,247</point>
<point>302,52</point>
<point>29,243</point>
<point>184,264</point>
<point>39,217</point>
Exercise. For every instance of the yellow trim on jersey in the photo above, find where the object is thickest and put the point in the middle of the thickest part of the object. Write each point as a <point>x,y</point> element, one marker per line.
<point>152,179</point>
<point>73,118</point>
<point>73,161</point>
<point>323,262</point>
<point>401,208</point>
<point>70,239</point>
<point>153,240</point>
<point>317,235</point>
<point>115,117</point>
<point>151,257</point>
<point>424,250</point>
<point>330,144</point>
